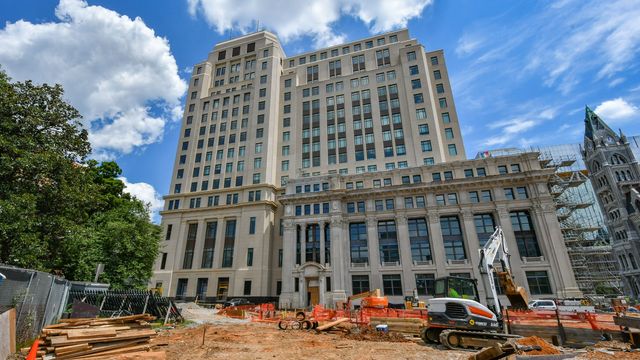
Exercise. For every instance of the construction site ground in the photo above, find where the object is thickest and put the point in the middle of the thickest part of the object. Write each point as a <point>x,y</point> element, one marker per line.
<point>265,341</point>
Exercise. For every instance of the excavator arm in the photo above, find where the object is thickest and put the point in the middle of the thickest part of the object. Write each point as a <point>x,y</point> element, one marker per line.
<point>496,245</point>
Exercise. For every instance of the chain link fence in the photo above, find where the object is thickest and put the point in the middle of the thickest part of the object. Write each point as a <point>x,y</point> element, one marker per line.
<point>39,299</point>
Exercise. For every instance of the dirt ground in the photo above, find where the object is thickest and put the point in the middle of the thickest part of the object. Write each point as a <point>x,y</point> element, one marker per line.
<point>265,341</point>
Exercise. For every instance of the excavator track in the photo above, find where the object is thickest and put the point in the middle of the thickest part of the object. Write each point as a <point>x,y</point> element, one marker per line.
<point>461,339</point>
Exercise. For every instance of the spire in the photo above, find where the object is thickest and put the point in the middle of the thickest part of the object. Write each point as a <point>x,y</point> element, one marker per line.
<point>595,128</point>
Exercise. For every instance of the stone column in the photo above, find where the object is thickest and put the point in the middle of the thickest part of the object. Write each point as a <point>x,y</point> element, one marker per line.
<point>288,263</point>
<point>302,294</point>
<point>199,245</point>
<point>556,252</point>
<point>472,246</point>
<point>322,287</point>
<point>338,266</point>
<point>303,243</point>
<point>437,250</point>
<point>218,246</point>
<point>504,220</point>
<point>404,247</point>
<point>322,259</point>
<point>374,252</point>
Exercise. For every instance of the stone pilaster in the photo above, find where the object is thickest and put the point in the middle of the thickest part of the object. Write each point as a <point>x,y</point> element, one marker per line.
<point>288,262</point>
<point>437,246</point>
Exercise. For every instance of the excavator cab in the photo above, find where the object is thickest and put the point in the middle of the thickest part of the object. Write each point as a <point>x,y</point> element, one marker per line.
<point>457,287</point>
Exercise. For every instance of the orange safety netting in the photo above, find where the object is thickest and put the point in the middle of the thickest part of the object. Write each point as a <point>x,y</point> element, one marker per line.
<point>583,320</point>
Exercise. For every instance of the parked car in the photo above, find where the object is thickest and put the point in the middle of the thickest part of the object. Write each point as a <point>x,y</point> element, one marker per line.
<point>237,302</point>
<point>542,305</point>
<point>631,309</point>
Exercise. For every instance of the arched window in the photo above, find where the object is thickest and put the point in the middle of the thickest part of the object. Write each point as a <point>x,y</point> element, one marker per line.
<point>617,159</point>
<point>618,176</point>
<point>633,261</point>
<point>595,166</point>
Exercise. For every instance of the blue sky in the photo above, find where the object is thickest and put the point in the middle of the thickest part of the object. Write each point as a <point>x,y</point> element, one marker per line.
<point>521,71</point>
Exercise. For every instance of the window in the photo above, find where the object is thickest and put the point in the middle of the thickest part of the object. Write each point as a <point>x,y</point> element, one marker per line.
<point>440,88</point>
<point>358,63</point>
<point>169,229</point>
<point>437,75</point>
<point>247,288</point>
<point>312,73</point>
<point>445,116</point>
<point>522,192</point>
<point>182,288</point>
<point>383,58</point>
<point>538,283</point>
<point>392,285</point>
<point>335,68</point>
<point>484,227</point>
<point>415,84</point>
<point>229,242</point>
<point>187,261</point>
<point>388,241</point>
<point>452,198</point>
<point>408,203</point>
<point>508,194</point>
<point>419,240</point>
<point>426,145</point>
<point>481,172</point>
<point>443,103</point>
<point>486,196</point>
<point>473,197</point>
<point>358,243</point>
<point>425,283</point>
<point>389,204</point>
<point>525,234</point>
<point>209,244</point>
<point>359,283</point>
<point>252,225</point>
<point>163,262</point>
<point>413,70</point>
<point>502,169</point>
<point>448,132</point>
<point>434,60</point>
<point>453,151</point>
<point>452,238</point>
<point>411,56</point>
<point>515,168</point>
<point>249,256</point>
<point>420,202</point>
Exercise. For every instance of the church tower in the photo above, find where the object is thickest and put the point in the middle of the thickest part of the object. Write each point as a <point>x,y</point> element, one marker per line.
<point>615,175</point>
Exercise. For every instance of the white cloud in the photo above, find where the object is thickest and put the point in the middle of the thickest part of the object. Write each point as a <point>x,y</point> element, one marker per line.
<point>291,19</point>
<point>145,193</point>
<point>617,111</point>
<point>509,130</point>
<point>468,44</point>
<point>114,69</point>
<point>568,45</point>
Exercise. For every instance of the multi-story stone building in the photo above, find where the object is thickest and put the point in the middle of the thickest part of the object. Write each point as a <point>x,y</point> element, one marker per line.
<point>340,170</point>
<point>615,176</point>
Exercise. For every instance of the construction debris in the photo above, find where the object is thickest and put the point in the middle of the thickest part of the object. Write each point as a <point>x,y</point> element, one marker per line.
<point>409,326</point>
<point>534,341</point>
<point>98,338</point>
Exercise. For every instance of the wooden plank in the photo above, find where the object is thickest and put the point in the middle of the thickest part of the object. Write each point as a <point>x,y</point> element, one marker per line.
<point>332,324</point>
<point>64,350</point>
<point>103,347</point>
<point>128,349</point>
<point>90,333</point>
<point>123,335</point>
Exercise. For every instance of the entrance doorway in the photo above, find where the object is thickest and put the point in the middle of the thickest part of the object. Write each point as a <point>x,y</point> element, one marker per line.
<point>313,296</point>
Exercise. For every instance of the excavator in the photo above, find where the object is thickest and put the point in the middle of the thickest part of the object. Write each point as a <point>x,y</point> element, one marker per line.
<point>370,299</point>
<point>457,319</point>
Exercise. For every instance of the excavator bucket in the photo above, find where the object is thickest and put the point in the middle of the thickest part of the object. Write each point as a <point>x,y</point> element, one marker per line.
<point>517,295</point>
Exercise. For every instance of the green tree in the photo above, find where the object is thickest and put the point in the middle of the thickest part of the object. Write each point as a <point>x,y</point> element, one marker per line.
<point>59,211</point>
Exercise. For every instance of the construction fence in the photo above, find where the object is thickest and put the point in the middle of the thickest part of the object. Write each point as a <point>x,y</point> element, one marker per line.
<point>39,299</point>
<point>113,303</point>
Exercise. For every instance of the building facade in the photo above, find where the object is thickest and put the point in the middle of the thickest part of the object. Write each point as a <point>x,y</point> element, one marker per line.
<point>615,176</point>
<point>274,177</point>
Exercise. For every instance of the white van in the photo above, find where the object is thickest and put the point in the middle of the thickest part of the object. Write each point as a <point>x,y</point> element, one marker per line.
<point>542,305</point>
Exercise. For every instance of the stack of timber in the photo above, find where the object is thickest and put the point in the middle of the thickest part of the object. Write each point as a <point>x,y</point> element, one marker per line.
<point>98,338</point>
<point>408,326</point>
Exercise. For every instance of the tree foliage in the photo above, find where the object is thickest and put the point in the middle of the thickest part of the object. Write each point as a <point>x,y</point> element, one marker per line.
<point>60,212</point>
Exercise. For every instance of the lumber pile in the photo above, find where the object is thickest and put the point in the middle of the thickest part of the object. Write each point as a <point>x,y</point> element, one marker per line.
<point>409,326</point>
<point>98,338</point>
